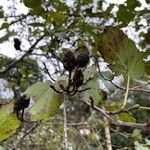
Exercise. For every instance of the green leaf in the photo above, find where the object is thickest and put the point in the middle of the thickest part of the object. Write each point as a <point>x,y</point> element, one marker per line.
<point>147,66</point>
<point>89,72</point>
<point>147,37</point>
<point>62,80</point>
<point>131,5</point>
<point>37,10</point>
<point>121,53</point>
<point>56,18</point>
<point>32,3</point>
<point>125,19</point>
<point>93,92</point>
<point>146,53</point>
<point>112,106</point>
<point>136,135</point>
<point>46,100</point>
<point>6,37</point>
<point>147,142</point>
<point>60,5</point>
<point>8,121</point>
<point>4,25</point>
<point>37,24</point>
<point>107,75</point>
<point>110,87</point>
<point>86,2</point>
<point>139,146</point>
<point>1,14</point>
<point>126,117</point>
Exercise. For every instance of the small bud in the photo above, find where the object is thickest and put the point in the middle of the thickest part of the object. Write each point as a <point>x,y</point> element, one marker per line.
<point>17,43</point>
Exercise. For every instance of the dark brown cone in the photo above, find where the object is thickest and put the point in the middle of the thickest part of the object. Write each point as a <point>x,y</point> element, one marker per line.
<point>82,60</point>
<point>21,103</point>
<point>69,61</point>
<point>17,43</point>
<point>78,78</point>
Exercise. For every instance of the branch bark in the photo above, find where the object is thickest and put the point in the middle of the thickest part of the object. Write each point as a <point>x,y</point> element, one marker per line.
<point>107,134</point>
<point>65,126</point>
<point>8,67</point>
<point>14,147</point>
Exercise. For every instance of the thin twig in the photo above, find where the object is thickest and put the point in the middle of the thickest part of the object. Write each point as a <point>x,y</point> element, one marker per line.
<point>146,108</point>
<point>46,70</point>
<point>122,134</point>
<point>8,67</point>
<point>24,136</point>
<point>69,81</point>
<point>20,19</point>
<point>117,122</point>
<point>99,110</point>
<point>107,134</point>
<point>137,106</point>
<point>118,86</point>
<point>65,126</point>
<point>126,93</point>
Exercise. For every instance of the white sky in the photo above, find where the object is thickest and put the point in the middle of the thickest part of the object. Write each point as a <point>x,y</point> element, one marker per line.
<point>8,49</point>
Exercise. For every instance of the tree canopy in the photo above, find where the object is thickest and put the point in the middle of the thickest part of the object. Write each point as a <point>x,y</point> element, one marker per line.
<point>86,75</point>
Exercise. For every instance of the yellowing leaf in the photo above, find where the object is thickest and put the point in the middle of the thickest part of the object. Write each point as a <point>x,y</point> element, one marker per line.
<point>46,100</point>
<point>121,53</point>
<point>126,117</point>
<point>8,121</point>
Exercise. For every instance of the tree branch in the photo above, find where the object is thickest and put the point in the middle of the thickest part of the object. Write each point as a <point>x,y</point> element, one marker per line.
<point>8,67</point>
<point>65,126</point>
<point>116,122</point>
<point>137,106</point>
<point>14,147</point>
<point>107,134</point>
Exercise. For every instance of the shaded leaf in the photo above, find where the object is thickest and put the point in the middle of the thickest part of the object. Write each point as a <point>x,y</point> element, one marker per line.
<point>1,14</point>
<point>89,72</point>
<point>56,18</point>
<point>125,19</point>
<point>86,2</point>
<point>32,4</point>
<point>139,146</point>
<point>62,80</point>
<point>112,106</point>
<point>6,37</point>
<point>147,67</point>
<point>136,135</point>
<point>121,53</point>
<point>37,24</point>
<point>46,100</point>
<point>93,92</point>
<point>4,25</point>
<point>107,75</point>
<point>147,142</point>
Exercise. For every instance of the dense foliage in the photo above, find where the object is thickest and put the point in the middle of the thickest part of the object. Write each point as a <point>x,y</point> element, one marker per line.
<point>87,81</point>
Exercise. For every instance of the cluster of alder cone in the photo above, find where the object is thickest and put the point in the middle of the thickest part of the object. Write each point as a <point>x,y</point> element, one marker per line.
<point>75,64</point>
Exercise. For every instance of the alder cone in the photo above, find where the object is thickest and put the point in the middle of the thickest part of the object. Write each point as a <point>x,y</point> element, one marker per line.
<point>17,43</point>
<point>82,60</point>
<point>78,78</point>
<point>21,103</point>
<point>69,61</point>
